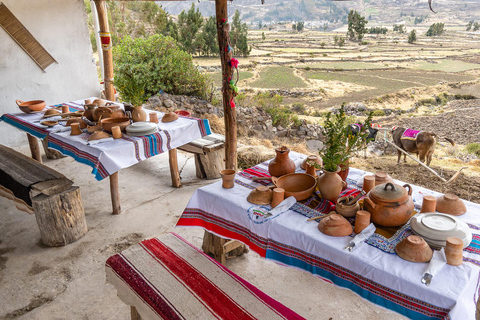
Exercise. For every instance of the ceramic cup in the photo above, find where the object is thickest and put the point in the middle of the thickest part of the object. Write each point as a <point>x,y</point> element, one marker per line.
<point>228,177</point>
<point>75,129</point>
<point>368,183</point>
<point>428,204</point>
<point>362,220</point>
<point>116,132</point>
<point>278,196</point>
<point>153,117</point>
<point>454,251</point>
<point>65,109</point>
<point>310,170</point>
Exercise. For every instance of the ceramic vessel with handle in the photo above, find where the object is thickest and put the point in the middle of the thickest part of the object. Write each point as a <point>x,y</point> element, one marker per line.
<point>390,204</point>
<point>281,164</point>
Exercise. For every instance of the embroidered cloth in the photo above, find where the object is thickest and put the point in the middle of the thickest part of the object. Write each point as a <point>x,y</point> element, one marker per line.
<point>410,134</point>
<point>109,157</point>
<point>168,278</point>
<point>373,271</point>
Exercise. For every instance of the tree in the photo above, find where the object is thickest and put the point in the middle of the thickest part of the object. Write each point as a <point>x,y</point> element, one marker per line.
<point>412,36</point>
<point>238,36</point>
<point>263,36</point>
<point>300,26</point>
<point>436,29</point>
<point>209,34</point>
<point>189,25</point>
<point>469,25</point>
<point>476,26</point>
<point>338,41</point>
<point>144,66</point>
<point>356,25</point>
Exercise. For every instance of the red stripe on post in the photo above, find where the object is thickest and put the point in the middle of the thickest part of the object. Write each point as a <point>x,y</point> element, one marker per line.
<point>212,296</point>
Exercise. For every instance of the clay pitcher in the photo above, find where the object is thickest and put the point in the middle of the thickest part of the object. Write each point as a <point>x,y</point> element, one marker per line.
<point>282,164</point>
<point>89,110</point>
<point>139,114</point>
<point>330,185</point>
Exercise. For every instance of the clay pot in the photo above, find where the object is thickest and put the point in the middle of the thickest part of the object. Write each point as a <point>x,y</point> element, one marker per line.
<point>343,173</point>
<point>99,102</point>
<point>344,210</point>
<point>382,177</point>
<point>108,123</point>
<point>169,117</point>
<point>89,111</point>
<point>139,114</point>
<point>414,249</point>
<point>451,204</point>
<point>312,158</point>
<point>183,113</point>
<point>330,185</point>
<point>30,106</point>
<point>82,123</point>
<point>228,178</point>
<point>390,204</point>
<point>281,164</point>
<point>454,251</point>
<point>260,195</point>
<point>335,225</point>
<point>298,185</point>
<point>105,112</point>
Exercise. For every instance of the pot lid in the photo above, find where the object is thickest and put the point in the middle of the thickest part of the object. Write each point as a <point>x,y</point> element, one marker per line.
<point>388,192</point>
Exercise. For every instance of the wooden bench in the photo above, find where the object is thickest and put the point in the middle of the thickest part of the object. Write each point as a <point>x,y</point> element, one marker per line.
<point>168,278</point>
<point>209,155</point>
<point>36,188</point>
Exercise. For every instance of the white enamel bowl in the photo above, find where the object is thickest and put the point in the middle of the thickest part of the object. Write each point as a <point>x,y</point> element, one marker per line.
<point>436,227</point>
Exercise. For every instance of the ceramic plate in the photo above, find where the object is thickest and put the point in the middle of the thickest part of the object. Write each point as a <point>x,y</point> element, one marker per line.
<point>439,222</point>
<point>49,123</point>
<point>141,127</point>
<point>142,133</point>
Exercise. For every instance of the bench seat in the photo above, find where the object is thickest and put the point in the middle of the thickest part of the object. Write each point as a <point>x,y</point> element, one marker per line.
<point>168,278</point>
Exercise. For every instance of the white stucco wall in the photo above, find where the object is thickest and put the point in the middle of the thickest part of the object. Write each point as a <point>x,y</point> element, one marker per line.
<point>60,27</point>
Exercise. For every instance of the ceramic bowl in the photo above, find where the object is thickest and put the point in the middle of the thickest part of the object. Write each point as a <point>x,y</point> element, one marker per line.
<point>169,117</point>
<point>382,177</point>
<point>414,249</point>
<point>344,210</point>
<point>298,185</point>
<point>99,102</point>
<point>82,123</point>
<point>31,106</point>
<point>436,227</point>
<point>260,195</point>
<point>451,204</point>
<point>335,225</point>
<point>312,157</point>
<point>183,113</point>
<point>97,135</point>
<point>49,123</point>
<point>51,112</point>
<point>108,123</point>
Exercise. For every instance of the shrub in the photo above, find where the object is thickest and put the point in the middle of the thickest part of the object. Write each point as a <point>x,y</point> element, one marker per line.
<point>473,148</point>
<point>144,66</point>
<point>378,113</point>
<point>299,108</point>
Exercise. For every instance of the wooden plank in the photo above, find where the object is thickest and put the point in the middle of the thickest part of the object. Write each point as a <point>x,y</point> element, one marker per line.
<point>24,38</point>
<point>34,148</point>
<point>173,162</point>
<point>51,187</point>
<point>192,149</point>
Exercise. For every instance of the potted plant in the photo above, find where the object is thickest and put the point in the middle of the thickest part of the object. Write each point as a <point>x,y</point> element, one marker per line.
<point>339,146</point>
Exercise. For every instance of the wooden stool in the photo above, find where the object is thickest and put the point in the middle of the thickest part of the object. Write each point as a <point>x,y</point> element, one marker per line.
<point>168,278</point>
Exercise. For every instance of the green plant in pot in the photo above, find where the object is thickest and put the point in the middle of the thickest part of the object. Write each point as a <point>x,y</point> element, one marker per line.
<point>339,146</point>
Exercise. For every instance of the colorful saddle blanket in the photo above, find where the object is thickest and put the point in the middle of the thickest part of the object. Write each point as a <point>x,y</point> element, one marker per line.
<point>410,134</point>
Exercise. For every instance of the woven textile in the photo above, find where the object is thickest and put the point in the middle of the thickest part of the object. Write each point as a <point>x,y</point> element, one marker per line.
<point>410,134</point>
<point>109,157</point>
<point>373,271</point>
<point>168,278</point>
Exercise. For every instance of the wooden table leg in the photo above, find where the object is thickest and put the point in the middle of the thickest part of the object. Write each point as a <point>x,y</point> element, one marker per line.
<point>34,148</point>
<point>51,153</point>
<point>114,193</point>
<point>172,159</point>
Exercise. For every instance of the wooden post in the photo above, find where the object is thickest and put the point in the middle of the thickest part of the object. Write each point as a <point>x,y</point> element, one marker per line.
<point>51,153</point>
<point>134,315</point>
<point>173,161</point>
<point>230,113</point>
<point>107,53</point>
<point>60,217</point>
<point>34,148</point>
<point>114,193</point>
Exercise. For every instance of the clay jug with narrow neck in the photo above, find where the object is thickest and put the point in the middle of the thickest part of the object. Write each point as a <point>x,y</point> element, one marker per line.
<point>139,114</point>
<point>282,164</point>
<point>330,185</point>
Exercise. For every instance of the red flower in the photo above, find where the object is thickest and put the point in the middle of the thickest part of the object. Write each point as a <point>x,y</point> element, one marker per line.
<point>233,63</point>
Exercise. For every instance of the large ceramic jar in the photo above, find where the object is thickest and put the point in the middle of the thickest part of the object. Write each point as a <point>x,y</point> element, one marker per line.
<point>330,185</point>
<point>89,110</point>
<point>282,164</point>
<point>389,204</point>
<point>139,114</point>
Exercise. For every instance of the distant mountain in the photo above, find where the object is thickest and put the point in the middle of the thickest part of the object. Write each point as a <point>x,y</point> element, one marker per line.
<point>320,12</point>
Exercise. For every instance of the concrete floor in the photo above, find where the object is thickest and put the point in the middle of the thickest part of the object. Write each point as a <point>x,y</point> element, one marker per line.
<point>39,282</point>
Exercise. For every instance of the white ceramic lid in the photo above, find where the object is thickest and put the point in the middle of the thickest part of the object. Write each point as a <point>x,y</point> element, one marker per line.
<point>142,133</point>
<point>141,126</point>
<point>436,227</point>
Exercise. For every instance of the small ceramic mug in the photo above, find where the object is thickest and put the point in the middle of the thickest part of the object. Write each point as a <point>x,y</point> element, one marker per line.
<point>228,177</point>
<point>65,109</point>
<point>429,203</point>
<point>362,220</point>
<point>116,132</point>
<point>454,251</point>
<point>278,196</point>
<point>153,117</point>
<point>368,183</point>
<point>75,129</point>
